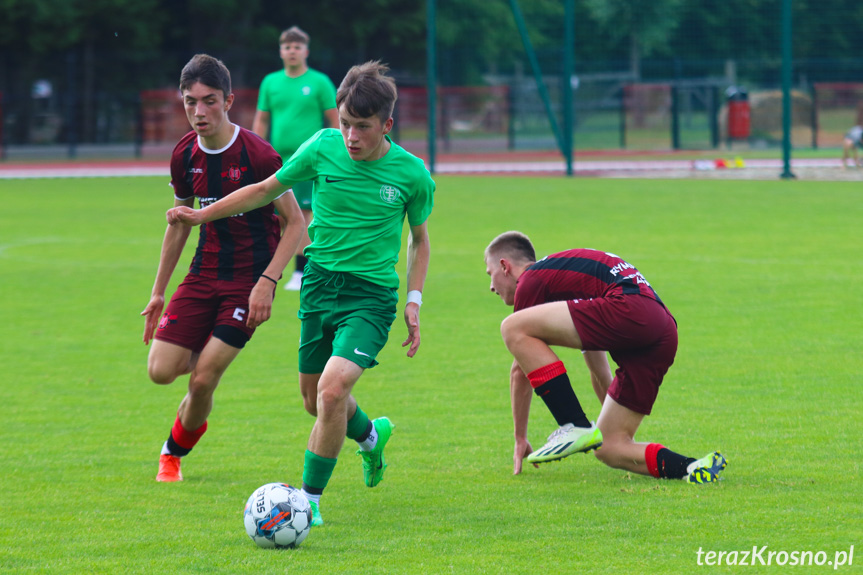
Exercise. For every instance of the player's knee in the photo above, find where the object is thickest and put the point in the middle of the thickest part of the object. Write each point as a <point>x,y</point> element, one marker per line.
<point>311,405</point>
<point>509,330</point>
<point>329,399</point>
<point>161,372</point>
<point>163,368</point>
<point>605,454</point>
<point>162,378</point>
<point>202,383</point>
<point>612,451</point>
<point>309,393</point>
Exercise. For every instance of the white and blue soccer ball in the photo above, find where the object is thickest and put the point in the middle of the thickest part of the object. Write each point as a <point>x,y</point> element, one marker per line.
<point>277,516</point>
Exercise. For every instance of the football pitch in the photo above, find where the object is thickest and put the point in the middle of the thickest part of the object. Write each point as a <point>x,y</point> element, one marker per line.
<point>763,277</point>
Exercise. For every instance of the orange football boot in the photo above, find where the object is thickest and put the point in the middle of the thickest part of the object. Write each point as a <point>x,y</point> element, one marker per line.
<point>169,468</point>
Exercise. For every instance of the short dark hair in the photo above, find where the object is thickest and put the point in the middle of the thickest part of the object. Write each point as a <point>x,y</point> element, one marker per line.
<point>367,91</point>
<point>514,245</point>
<point>294,34</point>
<point>208,71</point>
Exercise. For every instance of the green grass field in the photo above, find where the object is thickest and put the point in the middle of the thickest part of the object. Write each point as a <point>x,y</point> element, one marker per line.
<point>763,278</point>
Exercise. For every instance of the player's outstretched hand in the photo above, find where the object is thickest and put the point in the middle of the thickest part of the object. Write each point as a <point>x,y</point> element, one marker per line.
<point>412,320</point>
<point>260,303</point>
<point>151,314</point>
<point>522,450</point>
<point>184,215</point>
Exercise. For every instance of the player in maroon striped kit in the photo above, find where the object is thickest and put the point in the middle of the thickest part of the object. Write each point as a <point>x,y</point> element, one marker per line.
<point>231,283</point>
<point>596,302</point>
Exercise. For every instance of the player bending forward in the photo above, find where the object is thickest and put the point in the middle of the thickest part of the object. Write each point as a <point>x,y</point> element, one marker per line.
<point>364,187</point>
<point>596,302</point>
<point>230,286</point>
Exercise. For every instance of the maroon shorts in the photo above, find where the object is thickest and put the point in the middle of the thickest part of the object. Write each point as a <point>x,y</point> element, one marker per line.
<point>641,336</point>
<point>201,304</point>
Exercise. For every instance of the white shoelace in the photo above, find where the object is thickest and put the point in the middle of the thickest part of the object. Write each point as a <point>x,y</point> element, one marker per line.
<point>562,430</point>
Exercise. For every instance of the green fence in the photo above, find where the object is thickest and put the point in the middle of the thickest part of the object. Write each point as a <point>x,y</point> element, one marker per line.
<point>644,76</point>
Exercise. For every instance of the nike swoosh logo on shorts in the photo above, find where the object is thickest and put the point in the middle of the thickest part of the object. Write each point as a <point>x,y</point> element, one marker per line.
<point>333,180</point>
<point>358,352</point>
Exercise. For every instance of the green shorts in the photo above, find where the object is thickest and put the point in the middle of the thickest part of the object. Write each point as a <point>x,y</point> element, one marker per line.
<point>303,194</point>
<point>344,316</point>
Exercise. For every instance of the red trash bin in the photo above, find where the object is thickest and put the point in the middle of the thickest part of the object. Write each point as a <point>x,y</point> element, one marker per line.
<point>739,125</point>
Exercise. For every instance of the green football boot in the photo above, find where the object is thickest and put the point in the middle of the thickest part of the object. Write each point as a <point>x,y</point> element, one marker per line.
<point>706,469</point>
<point>373,461</point>
<point>317,520</point>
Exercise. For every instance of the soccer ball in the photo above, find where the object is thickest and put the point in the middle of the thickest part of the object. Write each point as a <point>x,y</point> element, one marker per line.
<point>277,515</point>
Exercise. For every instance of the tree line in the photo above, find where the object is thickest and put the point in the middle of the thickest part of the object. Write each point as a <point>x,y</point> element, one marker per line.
<point>97,47</point>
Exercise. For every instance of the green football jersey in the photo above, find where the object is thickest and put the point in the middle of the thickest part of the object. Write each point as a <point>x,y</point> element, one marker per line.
<point>359,207</point>
<point>296,107</point>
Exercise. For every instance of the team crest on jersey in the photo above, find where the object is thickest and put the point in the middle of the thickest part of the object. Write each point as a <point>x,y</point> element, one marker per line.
<point>234,173</point>
<point>307,90</point>
<point>167,320</point>
<point>390,194</point>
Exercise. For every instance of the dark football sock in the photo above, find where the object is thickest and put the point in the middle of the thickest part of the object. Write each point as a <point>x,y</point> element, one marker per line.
<point>551,384</point>
<point>666,464</point>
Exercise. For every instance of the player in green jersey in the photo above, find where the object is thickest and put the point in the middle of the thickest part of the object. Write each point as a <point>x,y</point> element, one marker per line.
<point>293,104</point>
<point>365,186</point>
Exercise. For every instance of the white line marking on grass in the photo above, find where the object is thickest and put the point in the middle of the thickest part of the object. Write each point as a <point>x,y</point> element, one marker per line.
<point>31,242</point>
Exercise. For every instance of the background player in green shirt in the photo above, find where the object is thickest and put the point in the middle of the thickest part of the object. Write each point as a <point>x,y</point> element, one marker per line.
<point>293,104</point>
<point>365,186</point>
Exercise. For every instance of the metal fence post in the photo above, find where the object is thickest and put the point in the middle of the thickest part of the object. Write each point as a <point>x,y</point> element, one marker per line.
<point>786,90</point>
<point>71,116</point>
<point>675,117</point>
<point>714,117</point>
<point>568,49</point>
<point>622,117</point>
<point>431,82</point>
<point>814,116</point>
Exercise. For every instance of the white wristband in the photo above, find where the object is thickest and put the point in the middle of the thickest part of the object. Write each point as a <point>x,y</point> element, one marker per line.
<point>415,296</point>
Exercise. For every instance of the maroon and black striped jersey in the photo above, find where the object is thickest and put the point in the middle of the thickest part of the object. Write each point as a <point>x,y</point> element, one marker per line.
<point>237,248</point>
<point>579,274</point>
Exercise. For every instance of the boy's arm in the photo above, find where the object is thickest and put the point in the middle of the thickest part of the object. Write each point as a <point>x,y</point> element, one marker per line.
<point>419,252</point>
<point>520,393</point>
<point>261,298</point>
<point>172,248</point>
<point>600,372</point>
<point>332,117</point>
<point>243,200</point>
<point>261,124</point>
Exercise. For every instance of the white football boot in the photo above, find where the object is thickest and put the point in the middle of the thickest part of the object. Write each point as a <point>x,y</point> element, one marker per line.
<point>566,440</point>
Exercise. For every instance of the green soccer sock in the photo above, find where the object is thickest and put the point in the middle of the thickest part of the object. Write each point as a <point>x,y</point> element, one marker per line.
<point>358,425</point>
<point>317,472</point>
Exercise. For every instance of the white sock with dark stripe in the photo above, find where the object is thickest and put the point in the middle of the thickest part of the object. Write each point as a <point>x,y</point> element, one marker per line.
<point>369,442</point>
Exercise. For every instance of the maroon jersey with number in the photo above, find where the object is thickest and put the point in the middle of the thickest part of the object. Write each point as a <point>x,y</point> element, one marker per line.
<point>579,274</point>
<point>237,248</point>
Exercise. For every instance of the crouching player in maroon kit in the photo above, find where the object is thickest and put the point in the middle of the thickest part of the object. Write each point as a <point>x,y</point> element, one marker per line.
<point>596,302</point>
<point>231,283</point>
